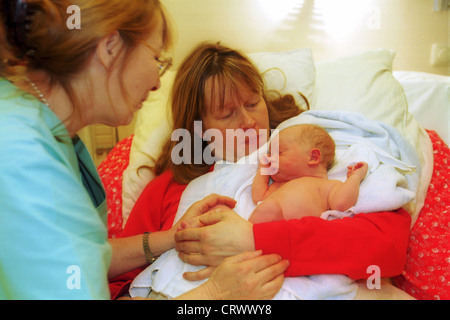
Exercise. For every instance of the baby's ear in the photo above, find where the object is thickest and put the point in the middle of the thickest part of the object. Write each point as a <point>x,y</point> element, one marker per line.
<point>314,156</point>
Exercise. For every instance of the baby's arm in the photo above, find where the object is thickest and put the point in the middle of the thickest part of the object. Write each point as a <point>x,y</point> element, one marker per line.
<point>260,187</point>
<point>344,195</point>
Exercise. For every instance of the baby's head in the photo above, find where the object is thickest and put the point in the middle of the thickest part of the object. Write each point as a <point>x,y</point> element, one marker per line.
<point>300,150</point>
<point>310,136</point>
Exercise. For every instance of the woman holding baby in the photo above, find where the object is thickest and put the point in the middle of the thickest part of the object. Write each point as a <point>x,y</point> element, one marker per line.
<point>223,89</point>
<point>53,216</point>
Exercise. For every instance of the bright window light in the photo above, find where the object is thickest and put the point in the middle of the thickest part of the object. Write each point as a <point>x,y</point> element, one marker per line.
<point>278,10</point>
<point>344,17</point>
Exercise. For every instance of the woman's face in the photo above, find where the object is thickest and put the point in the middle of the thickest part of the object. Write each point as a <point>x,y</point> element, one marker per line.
<point>138,78</point>
<point>241,127</point>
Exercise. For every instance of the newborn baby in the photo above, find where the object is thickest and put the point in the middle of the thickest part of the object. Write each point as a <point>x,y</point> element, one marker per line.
<point>298,167</point>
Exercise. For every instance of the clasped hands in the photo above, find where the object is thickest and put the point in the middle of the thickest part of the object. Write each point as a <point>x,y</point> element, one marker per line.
<point>211,232</point>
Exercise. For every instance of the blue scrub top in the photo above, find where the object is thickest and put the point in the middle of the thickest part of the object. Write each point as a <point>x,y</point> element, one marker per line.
<point>53,234</point>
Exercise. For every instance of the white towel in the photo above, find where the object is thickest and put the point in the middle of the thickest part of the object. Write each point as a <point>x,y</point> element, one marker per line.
<point>391,183</point>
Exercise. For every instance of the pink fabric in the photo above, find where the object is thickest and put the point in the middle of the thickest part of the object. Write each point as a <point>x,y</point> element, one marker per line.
<point>111,171</point>
<point>427,269</point>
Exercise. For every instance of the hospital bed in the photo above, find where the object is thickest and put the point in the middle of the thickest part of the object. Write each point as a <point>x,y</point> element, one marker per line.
<point>414,103</point>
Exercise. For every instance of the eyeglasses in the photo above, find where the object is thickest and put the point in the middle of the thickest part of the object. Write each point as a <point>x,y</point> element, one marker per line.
<point>164,63</point>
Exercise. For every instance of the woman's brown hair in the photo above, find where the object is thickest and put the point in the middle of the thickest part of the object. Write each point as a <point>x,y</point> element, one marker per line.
<point>230,69</point>
<point>40,39</point>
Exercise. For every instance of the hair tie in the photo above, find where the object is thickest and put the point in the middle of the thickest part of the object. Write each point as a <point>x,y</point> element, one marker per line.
<point>17,20</point>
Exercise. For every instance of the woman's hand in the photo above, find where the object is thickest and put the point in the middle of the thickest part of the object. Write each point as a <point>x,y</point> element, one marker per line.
<point>210,202</point>
<point>249,276</point>
<point>223,233</point>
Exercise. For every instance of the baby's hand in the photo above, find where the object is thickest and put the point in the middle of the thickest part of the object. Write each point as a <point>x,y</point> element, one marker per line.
<point>359,169</point>
<point>264,161</point>
<point>267,166</point>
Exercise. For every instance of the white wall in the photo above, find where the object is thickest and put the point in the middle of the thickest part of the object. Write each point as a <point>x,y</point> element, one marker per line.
<point>332,28</point>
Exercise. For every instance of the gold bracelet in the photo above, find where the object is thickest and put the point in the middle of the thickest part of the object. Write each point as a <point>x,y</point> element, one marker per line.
<point>148,253</point>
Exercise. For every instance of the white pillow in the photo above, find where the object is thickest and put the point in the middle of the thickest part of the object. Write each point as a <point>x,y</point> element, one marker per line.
<point>152,127</point>
<point>428,97</point>
<point>364,83</point>
<point>286,72</point>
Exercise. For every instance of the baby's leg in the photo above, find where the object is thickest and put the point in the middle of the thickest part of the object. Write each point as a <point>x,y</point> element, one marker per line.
<point>268,210</point>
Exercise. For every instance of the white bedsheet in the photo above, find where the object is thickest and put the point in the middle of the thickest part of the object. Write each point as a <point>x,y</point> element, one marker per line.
<point>392,182</point>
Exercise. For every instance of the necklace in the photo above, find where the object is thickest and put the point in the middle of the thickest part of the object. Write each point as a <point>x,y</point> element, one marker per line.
<point>37,91</point>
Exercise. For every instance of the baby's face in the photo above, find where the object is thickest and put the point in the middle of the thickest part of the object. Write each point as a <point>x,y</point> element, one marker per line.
<point>286,157</point>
